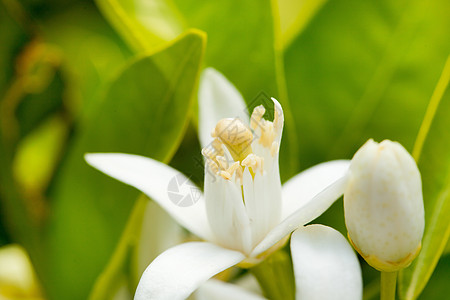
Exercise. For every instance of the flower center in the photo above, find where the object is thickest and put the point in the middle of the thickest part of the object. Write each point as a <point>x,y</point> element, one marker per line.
<point>238,138</point>
<point>235,136</point>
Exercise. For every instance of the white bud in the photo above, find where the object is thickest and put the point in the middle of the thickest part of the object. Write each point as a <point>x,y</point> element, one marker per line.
<point>384,206</point>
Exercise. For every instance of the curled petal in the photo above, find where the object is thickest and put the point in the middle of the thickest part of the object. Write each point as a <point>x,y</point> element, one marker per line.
<point>153,178</point>
<point>179,271</point>
<point>305,214</point>
<point>302,188</point>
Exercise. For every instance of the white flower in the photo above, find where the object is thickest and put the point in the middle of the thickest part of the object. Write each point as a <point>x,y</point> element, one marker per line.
<point>323,269</point>
<point>383,205</point>
<point>17,277</point>
<point>244,213</point>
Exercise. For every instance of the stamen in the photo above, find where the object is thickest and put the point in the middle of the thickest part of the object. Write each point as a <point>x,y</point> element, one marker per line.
<point>256,117</point>
<point>274,149</point>
<point>266,127</point>
<point>213,166</point>
<point>235,136</point>
<point>267,133</point>
<point>217,145</point>
<point>253,162</point>
<point>222,161</point>
<point>211,153</point>
<point>229,173</point>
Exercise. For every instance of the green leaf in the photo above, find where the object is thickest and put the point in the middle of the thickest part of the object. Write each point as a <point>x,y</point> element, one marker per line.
<point>431,152</point>
<point>31,89</point>
<point>139,245</point>
<point>108,283</point>
<point>143,24</point>
<point>91,53</point>
<point>295,16</point>
<point>360,70</point>
<point>12,40</point>
<point>438,285</point>
<point>145,111</point>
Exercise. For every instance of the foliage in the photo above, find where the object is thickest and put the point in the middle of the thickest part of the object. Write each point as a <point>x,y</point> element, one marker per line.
<point>122,76</point>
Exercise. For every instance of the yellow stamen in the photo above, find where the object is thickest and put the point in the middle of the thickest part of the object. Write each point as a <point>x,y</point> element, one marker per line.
<point>213,165</point>
<point>230,171</point>
<point>253,162</point>
<point>274,149</point>
<point>267,133</point>
<point>222,161</point>
<point>235,136</point>
<point>256,117</point>
<point>266,127</point>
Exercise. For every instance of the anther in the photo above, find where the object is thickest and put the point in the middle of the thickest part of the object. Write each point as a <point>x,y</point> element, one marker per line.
<point>256,117</point>
<point>230,171</point>
<point>236,136</point>
<point>274,149</point>
<point>223,164</point>
<point>253,162</point>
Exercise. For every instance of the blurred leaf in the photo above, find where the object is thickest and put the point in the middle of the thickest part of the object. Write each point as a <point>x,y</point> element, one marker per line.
<point>295,16</point>
<point>36,159</point>
<point>365,69</point>
<point>432,153</point>
<point>438,286</point>
<point>30,91</point>
<point>41,85</point>
<point>447,248</point>
<point>11,40</point>
<point>91,52</point>
<point>139,245</point>
<point>143,24</point>
<point>108,283</point>
<point>145,111</point>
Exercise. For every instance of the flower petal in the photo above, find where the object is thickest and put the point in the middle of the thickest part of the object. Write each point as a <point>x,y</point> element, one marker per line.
<point>301,188</point>
<point>217,99</point>
<point>278,121</point>
<point>325,265</point>
<point>219,290</point>
<point>177,272</point>
<point>157,180</point>
<point>226,213</point>
<point>262,195</point>
<point>305,214</point>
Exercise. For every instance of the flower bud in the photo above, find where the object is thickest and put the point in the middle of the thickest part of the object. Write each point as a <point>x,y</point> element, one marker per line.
<point>383,205</point>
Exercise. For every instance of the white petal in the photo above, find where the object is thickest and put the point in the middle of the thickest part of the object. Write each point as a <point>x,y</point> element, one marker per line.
<point>278,121</point>
<point>262,196</point>
<point>157,180</point>
<point>219,290</point>
<point>217,99</point>
<point>325,266</point>
<point>176,273</point>
<point>226,213</point>
<point>305,214</point>
<point>301,188</point>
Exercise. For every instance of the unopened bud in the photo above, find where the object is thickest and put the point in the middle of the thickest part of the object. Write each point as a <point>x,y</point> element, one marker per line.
<point>383,205</point>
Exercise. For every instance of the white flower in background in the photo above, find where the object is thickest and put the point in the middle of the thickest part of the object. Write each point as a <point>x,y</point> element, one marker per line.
<point>244,214</point>
<point>17,277</point>
<point>383,205</point>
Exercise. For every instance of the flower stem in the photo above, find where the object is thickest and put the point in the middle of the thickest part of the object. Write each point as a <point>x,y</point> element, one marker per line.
<point>388,284</point>
<point>276,277</point>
